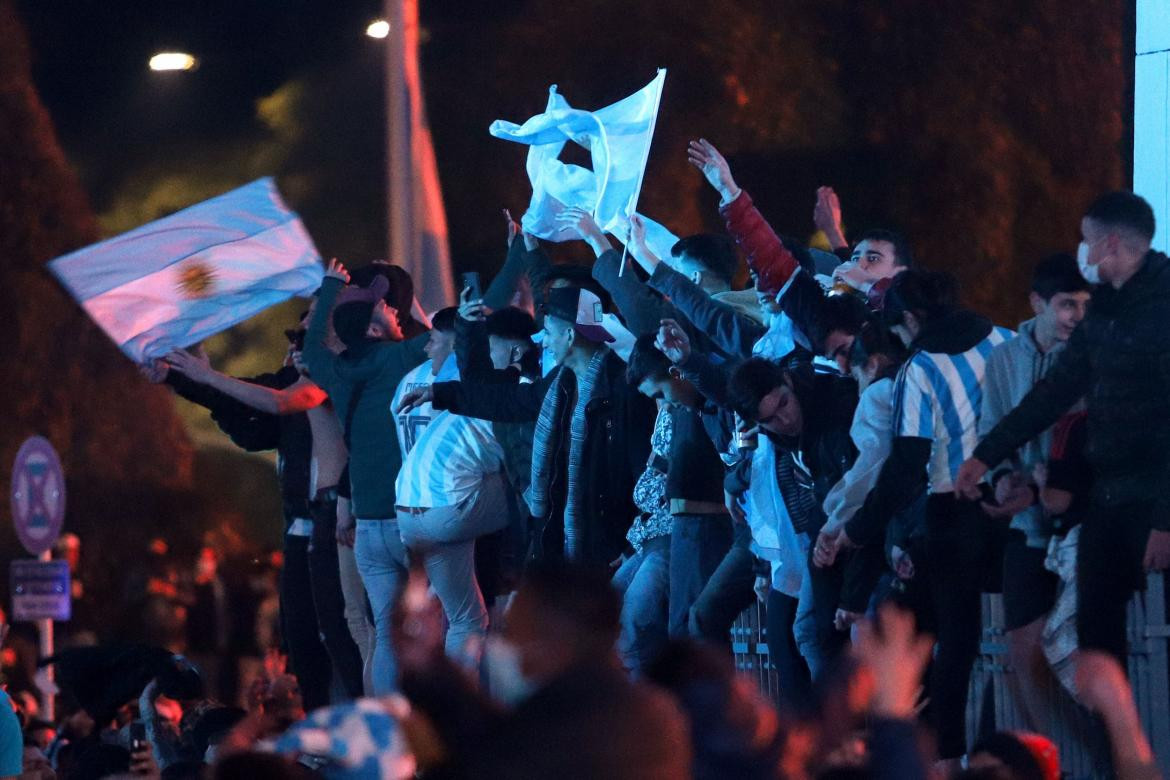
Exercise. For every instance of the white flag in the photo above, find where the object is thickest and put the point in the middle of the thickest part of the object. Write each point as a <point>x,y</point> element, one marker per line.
<point>618,140</point>
<point>175,281</point>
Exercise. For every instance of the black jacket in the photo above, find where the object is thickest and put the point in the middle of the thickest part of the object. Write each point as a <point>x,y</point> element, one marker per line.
<point>827,403</point>
<point>1118,359</point>
<point>619,420</point>
<point>256,431</point>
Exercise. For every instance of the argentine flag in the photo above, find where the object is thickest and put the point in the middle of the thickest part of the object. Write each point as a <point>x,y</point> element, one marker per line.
<point>174,282</point>
<point>618,140</point>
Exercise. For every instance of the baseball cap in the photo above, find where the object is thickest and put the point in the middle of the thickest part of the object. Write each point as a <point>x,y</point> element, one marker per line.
<point>355,308</point>
<point>580,307</point>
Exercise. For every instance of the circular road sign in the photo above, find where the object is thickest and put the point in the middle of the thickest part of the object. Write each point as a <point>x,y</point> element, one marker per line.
<point>38,495</point>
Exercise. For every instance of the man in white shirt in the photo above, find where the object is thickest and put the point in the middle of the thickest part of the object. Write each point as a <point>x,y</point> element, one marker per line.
<point>449,491</point>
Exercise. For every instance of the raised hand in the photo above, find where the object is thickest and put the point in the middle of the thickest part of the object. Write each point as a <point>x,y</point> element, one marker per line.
<point>673,342</point>
<point>472,311</point>
<point>513,229</point>
<point>896,655</point>
<point>337,271</point>
<point>827,217</point>
<point>637,230</point>
<point>704,156</point>
<point>194,365</point>
<point>581,222</point>
<point>415,398</point>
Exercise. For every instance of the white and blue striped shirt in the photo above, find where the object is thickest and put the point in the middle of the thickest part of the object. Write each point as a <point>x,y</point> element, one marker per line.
<point>939,397</point>
<point>411,423</point>
<point>448,462</point>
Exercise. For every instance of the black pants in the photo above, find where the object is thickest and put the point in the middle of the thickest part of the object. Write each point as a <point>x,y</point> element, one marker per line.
<point>963,547</point>
<point>791,670</point>
<point>728,591</point>
<point>307,656</point>
<point>1109,570</point>
<point>328,599</point>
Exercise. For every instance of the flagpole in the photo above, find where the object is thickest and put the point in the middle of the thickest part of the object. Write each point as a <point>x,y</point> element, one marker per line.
<point>642,172</point>
<point>398,163</point>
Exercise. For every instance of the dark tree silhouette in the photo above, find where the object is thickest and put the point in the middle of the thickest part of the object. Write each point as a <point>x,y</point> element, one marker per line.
<point>125,453</point>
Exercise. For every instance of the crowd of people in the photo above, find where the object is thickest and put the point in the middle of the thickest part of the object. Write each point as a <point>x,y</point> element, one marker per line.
<point>517,535</point>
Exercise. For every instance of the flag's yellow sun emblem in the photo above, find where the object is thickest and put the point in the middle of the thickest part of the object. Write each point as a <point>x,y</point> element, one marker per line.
<point>196,280</point>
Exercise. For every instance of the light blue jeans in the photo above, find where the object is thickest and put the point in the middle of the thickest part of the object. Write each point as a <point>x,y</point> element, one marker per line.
<point>381,560</point>
<point>444,538</point>
<point>643,579</point>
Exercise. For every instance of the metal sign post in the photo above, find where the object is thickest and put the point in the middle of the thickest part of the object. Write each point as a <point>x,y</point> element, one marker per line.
<point>38,512</point>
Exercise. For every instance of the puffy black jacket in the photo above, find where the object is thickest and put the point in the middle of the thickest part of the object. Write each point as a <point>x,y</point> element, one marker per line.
<point>1118,359</point>
<point>618,422</point>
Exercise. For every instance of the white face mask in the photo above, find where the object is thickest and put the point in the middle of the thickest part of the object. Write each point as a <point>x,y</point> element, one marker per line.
<point>1092,273</point>
<point>506,683</point>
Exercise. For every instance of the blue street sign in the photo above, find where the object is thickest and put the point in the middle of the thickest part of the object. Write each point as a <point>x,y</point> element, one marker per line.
<point>40,590</point>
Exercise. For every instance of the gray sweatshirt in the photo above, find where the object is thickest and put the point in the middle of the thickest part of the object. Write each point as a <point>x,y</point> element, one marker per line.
<point>1013,368</point>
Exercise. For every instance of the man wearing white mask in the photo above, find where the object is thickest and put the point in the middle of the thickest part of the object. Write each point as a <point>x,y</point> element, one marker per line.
<point>1118,359</point>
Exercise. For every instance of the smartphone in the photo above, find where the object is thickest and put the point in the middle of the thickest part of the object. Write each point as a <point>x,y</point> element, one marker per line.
<point>137,736</point>
<point>471,282</point>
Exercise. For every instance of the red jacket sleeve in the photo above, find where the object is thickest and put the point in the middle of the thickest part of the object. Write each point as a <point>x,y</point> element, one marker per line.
<point>766,254</point>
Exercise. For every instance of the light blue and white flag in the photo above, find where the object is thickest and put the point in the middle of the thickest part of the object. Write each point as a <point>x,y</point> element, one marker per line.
<point>175,281</point>
<point>618,140</point>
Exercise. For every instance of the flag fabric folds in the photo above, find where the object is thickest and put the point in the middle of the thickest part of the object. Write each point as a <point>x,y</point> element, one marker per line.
<point>618,140</point>
<point>418,223</point>
<point>178,280</point>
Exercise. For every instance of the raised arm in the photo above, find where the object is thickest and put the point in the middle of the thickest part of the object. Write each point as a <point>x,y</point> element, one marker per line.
<point>827,218</point>
<point>473,350</point>
<point>709,377</point>
<point>640,307</point>
<point>320,360</point>
<point>495,402</point>
<point>301,396</point>
<point>773,263</point>
<point>499,293</point>
<point>728,330</point>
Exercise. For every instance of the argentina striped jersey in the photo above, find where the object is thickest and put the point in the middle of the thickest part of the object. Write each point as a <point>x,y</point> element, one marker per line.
<point>448,462</point>
<point>938,396</point>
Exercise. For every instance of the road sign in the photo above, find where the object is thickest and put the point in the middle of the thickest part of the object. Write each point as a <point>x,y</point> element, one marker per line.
<point>40,590</point>
<point>38,495</point>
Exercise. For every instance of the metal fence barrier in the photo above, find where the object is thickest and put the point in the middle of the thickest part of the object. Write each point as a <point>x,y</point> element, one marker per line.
<point>992,706</point>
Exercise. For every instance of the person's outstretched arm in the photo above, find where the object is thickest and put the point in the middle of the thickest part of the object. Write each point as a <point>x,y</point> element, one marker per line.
<point>495,402</point>
<point>301,396</point>
<point>1044,404</point>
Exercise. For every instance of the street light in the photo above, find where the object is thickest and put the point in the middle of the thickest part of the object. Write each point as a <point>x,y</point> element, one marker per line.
<point>172,60</point>
<point>378,29</point>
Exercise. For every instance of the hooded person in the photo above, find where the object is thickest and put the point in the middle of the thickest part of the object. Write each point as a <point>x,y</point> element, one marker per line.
<point>361,382</point>
<point>938,397</point>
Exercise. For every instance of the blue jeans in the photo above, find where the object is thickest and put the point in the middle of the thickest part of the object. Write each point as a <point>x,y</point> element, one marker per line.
<point>698,544</point>
<point>381,560</point>
<point>727,593</point>
<point>643,579</point>
<point>820,643</point>
<point>444,537</point>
